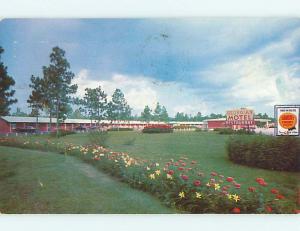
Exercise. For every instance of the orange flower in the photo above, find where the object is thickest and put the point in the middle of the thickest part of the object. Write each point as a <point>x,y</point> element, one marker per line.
<point>236,210</point>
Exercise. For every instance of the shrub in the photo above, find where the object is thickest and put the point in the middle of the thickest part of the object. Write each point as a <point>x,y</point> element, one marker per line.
<point>98,138</point>
<point>158,128</point>
<point>230,131</point>
<point>275,153</point>
<point>119,129</point>
<point>62,133</point>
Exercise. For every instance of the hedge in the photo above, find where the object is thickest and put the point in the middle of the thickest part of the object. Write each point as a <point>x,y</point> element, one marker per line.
<point>157,130</point>
<point>119,129</point>
<point>275,153</point>
<point>229,131</point>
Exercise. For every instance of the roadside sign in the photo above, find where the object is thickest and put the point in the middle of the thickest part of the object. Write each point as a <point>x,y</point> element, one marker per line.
<point>287,120</point>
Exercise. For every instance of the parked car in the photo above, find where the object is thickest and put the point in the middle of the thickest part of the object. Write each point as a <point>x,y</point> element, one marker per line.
<point>27,129</point>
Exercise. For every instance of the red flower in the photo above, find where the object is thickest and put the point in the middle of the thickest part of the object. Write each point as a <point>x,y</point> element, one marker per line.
<point>176,164</point>
<point>184,177</point>
<point>180,168</point>
<point>297,211</point>
<point>236,210</point>
<point>279,196</point>
<point>274,191</point>
<point>258,180</point>
<point>197,183</point>
<point>183,164</point>
<point>251,189</point>
<point>263,184</point>
<point>213,173</point>
<point>170,172</point>
<point>261,181</point>
<point>269,209</point>
<point>237,185</point>
<point>229,179</point>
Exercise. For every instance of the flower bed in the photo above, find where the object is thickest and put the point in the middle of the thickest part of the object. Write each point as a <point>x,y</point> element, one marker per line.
<point>178,183</point>
<point>158,128</point>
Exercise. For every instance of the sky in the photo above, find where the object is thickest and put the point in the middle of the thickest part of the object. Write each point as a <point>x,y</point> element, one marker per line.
<point>189,65</point>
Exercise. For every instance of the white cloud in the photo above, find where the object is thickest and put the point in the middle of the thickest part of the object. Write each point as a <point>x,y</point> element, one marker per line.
<point>263,78</point>
<point>140,91</point>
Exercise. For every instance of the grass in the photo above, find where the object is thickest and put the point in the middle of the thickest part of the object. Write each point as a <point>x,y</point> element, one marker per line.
<point>45,182</point>
<point>207,148</point>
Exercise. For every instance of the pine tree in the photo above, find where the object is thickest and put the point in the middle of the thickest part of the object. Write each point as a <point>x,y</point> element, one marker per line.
<point>157,112</point>
<point>36,98</point>
<point>57,81</point>
<point>164,114</point>
<point>95,103</point>
<point>146,114</point>
<point>118,109</point>
<point>6,94</point>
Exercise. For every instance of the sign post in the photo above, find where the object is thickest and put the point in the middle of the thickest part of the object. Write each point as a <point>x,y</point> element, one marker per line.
<point>287,120</point>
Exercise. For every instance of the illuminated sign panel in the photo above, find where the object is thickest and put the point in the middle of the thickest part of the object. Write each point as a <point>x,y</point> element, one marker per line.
<point>287,120</point>
<point>240,117</point>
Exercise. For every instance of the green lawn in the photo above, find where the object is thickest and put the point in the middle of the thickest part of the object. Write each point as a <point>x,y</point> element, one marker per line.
<point>44,182</point>
<point>207,148</point>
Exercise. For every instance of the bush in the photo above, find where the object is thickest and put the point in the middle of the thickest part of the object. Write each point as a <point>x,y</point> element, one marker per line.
<point>275,153</point>
<point>62,133</point>
<point>119,129</point>
<point>230,131</point>
<point>158,128</point>
<point>98,138</point>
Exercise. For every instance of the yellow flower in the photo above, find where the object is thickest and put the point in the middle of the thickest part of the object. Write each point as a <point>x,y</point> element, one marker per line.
<point>217,186</point>
<point>181,195</point>
<point>229,196</point>
<point>208,184</point>
<point>157,164</point>
<point>148,168</point>
<point>157,172</point>
<point>152,176</point>
<point>169,176</point>
<point>235,197</point>
<point>198,195</point>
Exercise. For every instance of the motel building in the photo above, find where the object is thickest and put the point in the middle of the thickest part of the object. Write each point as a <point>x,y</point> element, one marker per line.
<point>15,124</point>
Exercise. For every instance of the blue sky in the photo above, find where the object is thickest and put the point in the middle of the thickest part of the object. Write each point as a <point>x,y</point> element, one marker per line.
<point>188,65</point>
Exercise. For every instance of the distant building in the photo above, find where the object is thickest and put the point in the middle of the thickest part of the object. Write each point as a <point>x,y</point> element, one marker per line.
<point>12,124</point>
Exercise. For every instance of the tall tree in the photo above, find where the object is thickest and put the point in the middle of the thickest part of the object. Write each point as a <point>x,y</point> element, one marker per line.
<point>157,112</point>
<point>95,103</point>
<point>58,79</point>
<point>36,98</point>
<point>146,114</point>
<point>6,94</point>
<point>118,109</point>
<point>164,114</point>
